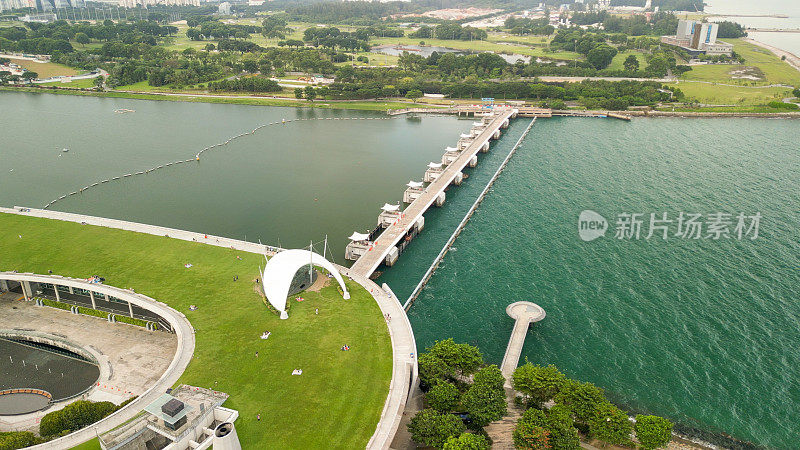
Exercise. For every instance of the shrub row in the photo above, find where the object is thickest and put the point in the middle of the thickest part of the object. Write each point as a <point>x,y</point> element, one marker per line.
<point>96,313</point>
<point>13,440</point>
<point>73,417</point>
<point>55,304</point>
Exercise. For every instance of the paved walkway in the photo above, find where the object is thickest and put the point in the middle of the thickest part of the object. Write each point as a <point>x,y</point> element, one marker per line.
<point>402,335</point>
<point>185,349</point>
<point>524,314</point>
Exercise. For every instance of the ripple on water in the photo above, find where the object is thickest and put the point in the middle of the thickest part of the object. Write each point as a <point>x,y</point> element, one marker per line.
<point>702,331</point>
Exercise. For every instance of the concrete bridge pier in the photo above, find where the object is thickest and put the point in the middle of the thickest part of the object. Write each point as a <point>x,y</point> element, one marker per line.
<point>473,161</point>
<point>485,147</point>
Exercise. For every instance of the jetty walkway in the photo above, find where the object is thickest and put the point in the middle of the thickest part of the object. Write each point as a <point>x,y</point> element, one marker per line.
<point>387,242</point>
<point>524,314</point>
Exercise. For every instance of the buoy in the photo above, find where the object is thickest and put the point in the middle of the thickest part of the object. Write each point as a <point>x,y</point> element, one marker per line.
<point>197,157</point>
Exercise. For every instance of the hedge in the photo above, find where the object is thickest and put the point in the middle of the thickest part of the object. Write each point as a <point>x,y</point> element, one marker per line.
<point>13,440</point>
<point>74,416</point>
<point>55,304</point>
<point>131,321</point>
<point>92,312</point>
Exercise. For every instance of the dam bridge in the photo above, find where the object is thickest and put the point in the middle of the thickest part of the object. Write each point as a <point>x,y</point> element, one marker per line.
<point>371,250</point>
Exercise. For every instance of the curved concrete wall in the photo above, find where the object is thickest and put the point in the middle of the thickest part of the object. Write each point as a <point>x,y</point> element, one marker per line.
<point>183,355</point>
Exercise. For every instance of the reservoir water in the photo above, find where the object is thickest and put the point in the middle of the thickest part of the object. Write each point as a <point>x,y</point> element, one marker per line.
<point>703,331</point>
<point>285,184</point>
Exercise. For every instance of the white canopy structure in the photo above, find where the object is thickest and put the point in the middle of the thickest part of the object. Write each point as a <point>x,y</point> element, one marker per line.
<point>466,136</point>
<point>477,124</point>
<point>390,208</point>
<point>356,236</point>
<point>434,165</point>
<point>281,269</point>
<point>450,149</point>
<point>414,184</point>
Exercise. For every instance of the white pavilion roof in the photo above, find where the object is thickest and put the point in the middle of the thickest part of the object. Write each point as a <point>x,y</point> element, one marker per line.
<point>356,236</point>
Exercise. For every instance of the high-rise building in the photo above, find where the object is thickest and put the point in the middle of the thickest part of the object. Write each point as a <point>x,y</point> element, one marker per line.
<point>698,37</point>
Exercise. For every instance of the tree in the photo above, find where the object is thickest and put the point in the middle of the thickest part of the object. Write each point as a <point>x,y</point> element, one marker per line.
<point>631,63</point>
<point>538,383</point>
<point>467,441</point>
<point>582,399</point>
<point>530,436</point>
<point>82,38</point>
<point>485,400</point>
<point>443,397</point>
<point>652,431</point>
<point>298,93</point>
<point>432,428</point>
<point>796,92</point>
<point>563,435</point>
<point>28,75</point>
<point>601,56</point>
<point>610,424</point>
<point>310,93</point>
<point>446,360</point>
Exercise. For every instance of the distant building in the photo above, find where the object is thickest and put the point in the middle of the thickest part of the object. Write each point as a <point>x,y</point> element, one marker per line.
<point>225,8</point>
<point>255,2</point>
<point>698,38</point>
<point>39,18</point>
<point>146,3</point>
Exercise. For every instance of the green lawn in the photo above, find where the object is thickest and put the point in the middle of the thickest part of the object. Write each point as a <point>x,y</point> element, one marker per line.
<point>731,95</point>
<point>94,444</point>
<point>83,83</point>
<point>619,59</point>
<point>768,68</point>
<point>479,46</point>
<point>337,401</point>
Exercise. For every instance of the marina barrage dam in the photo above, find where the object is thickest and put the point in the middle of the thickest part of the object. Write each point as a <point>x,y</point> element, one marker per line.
<point>396,227</point>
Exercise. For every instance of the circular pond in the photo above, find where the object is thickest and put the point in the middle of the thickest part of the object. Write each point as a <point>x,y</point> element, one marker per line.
<point>35,374</point>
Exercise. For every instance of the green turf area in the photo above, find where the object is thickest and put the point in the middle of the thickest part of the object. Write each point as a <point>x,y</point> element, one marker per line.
<point>479,46</point>
<point>731,95</point>
<point>337,401</point>
<point>618,62</point>
<point>760,63</point>
<point>94,444</point>
<point>83,83</point>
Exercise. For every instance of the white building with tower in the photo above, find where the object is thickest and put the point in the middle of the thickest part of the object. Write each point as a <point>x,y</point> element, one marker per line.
<point>698,38</point>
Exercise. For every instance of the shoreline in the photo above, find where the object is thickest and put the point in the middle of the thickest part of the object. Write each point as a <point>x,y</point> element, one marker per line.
<point>792,59</point>
<point>367,105</point>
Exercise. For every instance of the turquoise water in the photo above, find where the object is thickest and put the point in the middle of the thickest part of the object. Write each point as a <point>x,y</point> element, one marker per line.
<point>702,331</point>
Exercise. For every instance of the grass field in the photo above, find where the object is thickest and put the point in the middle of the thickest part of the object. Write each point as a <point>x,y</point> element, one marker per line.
<point>337,401</point>
<point>83,83</point>
<point>94,444</point>
<point>45,70</point>
<point>731,95</point>
<point>768,68</point>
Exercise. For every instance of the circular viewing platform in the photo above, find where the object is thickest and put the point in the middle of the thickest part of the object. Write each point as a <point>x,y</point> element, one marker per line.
<point>525,311</point>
